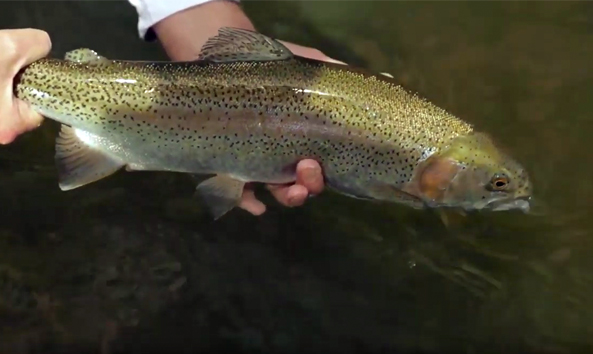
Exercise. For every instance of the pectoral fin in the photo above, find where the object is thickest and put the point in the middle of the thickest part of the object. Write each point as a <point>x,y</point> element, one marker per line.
<point>381,190</point>
<point>407,199</point>
<point>220,194</point>
<point>377,192</point>
<point>78,163</point>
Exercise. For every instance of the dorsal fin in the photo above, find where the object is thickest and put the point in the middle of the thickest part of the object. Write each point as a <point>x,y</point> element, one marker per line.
<point>235,44</point>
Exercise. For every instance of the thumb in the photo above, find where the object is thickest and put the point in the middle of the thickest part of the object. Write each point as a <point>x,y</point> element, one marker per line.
<point>21,47</point>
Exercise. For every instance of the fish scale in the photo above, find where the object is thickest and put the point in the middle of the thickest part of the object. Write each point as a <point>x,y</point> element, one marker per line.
<point>246,111</point>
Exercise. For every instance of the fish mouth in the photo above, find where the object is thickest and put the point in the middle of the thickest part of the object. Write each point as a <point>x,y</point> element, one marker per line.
<point>522,204</point>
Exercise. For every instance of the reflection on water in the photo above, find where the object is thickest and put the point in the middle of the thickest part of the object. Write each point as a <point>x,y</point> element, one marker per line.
<point>132,262</point>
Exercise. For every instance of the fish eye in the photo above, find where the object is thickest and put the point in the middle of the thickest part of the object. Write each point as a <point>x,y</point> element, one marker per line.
<point>499,182</point>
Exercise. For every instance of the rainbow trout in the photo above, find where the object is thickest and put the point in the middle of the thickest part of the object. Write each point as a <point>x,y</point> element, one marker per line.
<point>247,110</point>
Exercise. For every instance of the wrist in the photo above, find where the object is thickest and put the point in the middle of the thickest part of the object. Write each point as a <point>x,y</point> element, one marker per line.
<point>183,34</point>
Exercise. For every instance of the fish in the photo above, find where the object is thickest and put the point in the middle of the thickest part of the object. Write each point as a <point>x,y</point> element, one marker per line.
<point>248,110</point>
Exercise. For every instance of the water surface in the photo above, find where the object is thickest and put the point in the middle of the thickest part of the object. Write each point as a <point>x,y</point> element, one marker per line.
<point>132,262</point>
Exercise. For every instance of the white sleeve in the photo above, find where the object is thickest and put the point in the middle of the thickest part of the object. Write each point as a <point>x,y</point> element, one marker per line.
<point>153,11</point>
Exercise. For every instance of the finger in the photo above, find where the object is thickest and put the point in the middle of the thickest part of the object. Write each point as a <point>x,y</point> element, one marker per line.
<point>290,196</point>
<point>308,52</point>
<point>332,60</point>
<point>30,119</point>
<point>17,121</point>
<point>310,176</point>
<point>21,47</point>
<point>250,203</point>
<point>16,117</point>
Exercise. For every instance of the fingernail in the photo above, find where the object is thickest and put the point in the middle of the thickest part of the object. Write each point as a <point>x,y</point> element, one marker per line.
<point>292,201</point>
<point>328,59</point>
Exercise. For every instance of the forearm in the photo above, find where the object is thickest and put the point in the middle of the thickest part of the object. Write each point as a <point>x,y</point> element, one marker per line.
<point>184,26</point>
<point>183,34</point>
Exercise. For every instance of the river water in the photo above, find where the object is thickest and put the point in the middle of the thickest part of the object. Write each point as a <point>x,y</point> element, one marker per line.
<point>132,263</point>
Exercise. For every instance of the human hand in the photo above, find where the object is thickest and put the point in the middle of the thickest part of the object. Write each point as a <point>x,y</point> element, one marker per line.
<point>18,48</point>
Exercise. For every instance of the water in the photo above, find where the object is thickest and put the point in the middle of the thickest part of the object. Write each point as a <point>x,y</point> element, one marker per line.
<point>132,263</point>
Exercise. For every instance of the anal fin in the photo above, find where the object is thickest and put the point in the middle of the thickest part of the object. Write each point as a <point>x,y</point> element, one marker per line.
<point>80,164</point>
<point>220,194</point>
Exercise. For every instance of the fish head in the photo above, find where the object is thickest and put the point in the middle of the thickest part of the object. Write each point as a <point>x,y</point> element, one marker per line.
<point>472,173</point>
